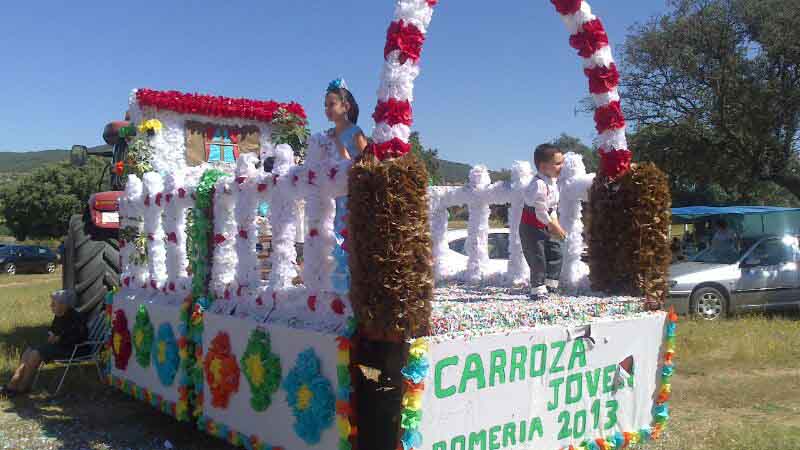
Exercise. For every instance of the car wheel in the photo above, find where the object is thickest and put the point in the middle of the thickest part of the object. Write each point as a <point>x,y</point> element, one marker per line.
<point>709,303</point>
<point>11,269</point>
<point>51,267</point>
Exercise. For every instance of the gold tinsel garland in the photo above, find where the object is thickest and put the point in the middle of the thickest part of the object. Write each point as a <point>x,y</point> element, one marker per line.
<point>390,248</point>
<point>628,229</point>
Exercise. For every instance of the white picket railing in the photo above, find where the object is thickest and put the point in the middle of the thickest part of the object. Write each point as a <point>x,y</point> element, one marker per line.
<point>157,207</point>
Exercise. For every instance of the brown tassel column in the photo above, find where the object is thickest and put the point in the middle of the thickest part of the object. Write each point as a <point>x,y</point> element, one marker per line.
<point>628,228</point>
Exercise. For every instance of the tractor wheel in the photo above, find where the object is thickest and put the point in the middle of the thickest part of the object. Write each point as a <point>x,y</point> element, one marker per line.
<point>91,263</point>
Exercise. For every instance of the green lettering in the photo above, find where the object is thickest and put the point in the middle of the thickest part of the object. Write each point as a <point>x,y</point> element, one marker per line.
<point>558,346</point>
<point>459,440</point>
<point>592,381</point>
<point>555,384</point>
<point>574,393</point>
<point>541,349</point>
<point>476,439</point>
<point>522,434</point>
<point>518,357</point>
<point>437,377</point>
<point>608,378</point>
<point>494,437</point>
<point>440,446</point>
<point>498,367</point>
<point>509,433</point>
<point>578,354</point>
<point>535,426</point>
<point>473,369</point>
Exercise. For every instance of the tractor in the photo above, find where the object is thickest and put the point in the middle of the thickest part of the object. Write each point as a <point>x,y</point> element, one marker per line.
<point>91,263</point>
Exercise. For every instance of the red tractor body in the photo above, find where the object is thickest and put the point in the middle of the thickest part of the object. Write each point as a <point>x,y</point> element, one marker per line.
<point>104,209</point>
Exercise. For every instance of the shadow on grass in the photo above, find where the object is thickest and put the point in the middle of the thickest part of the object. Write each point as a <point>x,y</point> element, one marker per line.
<point>87,413</point>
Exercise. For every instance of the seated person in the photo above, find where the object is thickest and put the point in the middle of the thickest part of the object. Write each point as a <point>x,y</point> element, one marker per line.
<point>67,330</point>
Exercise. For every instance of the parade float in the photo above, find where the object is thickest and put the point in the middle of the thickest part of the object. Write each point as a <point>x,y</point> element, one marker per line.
<point>415,350</point>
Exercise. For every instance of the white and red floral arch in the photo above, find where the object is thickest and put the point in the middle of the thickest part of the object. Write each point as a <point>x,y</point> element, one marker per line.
<point>404,41</point>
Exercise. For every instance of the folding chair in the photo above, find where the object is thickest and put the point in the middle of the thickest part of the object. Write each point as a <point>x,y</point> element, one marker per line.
<point>98,335</point>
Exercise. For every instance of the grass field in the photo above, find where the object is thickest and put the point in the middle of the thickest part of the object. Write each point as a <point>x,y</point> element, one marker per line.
<point>737,386</point>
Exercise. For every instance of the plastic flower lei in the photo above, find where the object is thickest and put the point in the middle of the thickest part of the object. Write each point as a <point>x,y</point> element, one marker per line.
<point>121,340</point>
<point>142,337</point>
<point>262,368</point>
<point>310,396</point>
<point>222,371</point>
<point>165,354</point>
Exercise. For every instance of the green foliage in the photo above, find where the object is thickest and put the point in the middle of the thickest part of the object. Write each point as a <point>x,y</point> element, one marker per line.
<point>713,88</point>
<point>40,204</point>
<point>428,157</point>
<point>140,155</point>
<point>23,162</point>
<point>291,129</point>
<point>569,143</point>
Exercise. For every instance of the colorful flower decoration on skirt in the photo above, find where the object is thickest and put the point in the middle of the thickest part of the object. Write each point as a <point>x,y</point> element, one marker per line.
<point>310,395</point>
<point>165,354</point>
<point>262,368</point>
<point>121,340</point>
<point>142,337</point>
<point>222,371</point>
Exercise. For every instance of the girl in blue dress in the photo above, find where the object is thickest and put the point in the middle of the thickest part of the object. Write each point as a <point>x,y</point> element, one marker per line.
<point>341,109</point>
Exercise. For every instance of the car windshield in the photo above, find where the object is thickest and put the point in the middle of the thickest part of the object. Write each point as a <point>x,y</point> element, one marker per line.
<point>724,255</point>
<point>5,250</point>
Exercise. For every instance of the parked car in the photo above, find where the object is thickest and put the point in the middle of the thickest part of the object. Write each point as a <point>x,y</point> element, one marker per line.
<point>498,242</point>
<point>26,258</point>
<point>760,274</point>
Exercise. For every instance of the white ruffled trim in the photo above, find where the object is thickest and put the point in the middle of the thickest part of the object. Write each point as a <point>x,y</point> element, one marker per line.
<point>153,228</point>
<point>397,80</point>
<point>613,139</point>
<point>602,57</point>
<point>416,12</point>
<point>605,99</point>
<point>575,21</point>
<point>384,133</point>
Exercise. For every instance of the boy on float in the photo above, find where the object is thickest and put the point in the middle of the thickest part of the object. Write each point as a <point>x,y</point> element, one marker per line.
<point>540,232</point>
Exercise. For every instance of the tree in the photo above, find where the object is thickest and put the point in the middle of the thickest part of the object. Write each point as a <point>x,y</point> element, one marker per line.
<point>427,156</point>
<point>39,205</point>
<point>713,90</point>
<point>569,143</point>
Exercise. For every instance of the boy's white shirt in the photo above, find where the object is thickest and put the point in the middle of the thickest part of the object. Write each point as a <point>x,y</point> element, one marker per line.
<point>545,198</point>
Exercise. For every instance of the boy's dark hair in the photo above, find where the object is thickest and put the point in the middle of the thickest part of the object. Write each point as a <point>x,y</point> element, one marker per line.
<point>345,96</point>
<point>545,153</point>
<point>722,224</point>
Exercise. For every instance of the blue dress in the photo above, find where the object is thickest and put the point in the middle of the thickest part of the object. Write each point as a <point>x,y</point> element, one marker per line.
<point>340,278</point>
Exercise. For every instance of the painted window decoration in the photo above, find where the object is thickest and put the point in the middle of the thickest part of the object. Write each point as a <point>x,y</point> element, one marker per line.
<point>210,142</point>
<point>222,144</point>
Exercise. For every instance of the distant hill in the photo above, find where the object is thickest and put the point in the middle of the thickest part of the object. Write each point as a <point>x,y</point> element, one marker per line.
<point>23,162</point>
<point>18,163</point>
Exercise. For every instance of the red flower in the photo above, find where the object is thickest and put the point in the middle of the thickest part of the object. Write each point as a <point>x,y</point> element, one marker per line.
<point>337,305</point>
<point>119,168</point>
<point>602,79</point>
<point>609,117</point>
<point>393,112</point>
<point>181,192</point>
<point>615,163</point>
<point>311,176</point>
<point>312,302</point>
<point>432,3</point>
<point>171,286</point>
<point>243,234</point>
<point>262,187</point>
<point>120,340</point>
<point>147,200</point>
<point>313,232</point>
<point>209,105</point>
<point>591,39</point>
<point>390,149</point>
<point>333,172</point>
<point>219,239</point>
<point>168,198</point>
<point>404,37</point>
<point>221,370</point>
<point>126,281</point>
<point>172,237</point>
<point>567,7</point>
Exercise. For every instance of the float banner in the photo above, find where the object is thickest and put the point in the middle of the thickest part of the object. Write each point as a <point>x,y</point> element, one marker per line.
<point>543,388</point>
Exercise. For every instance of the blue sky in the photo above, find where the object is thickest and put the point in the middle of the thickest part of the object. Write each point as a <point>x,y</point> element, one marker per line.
<point>498,77</point>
